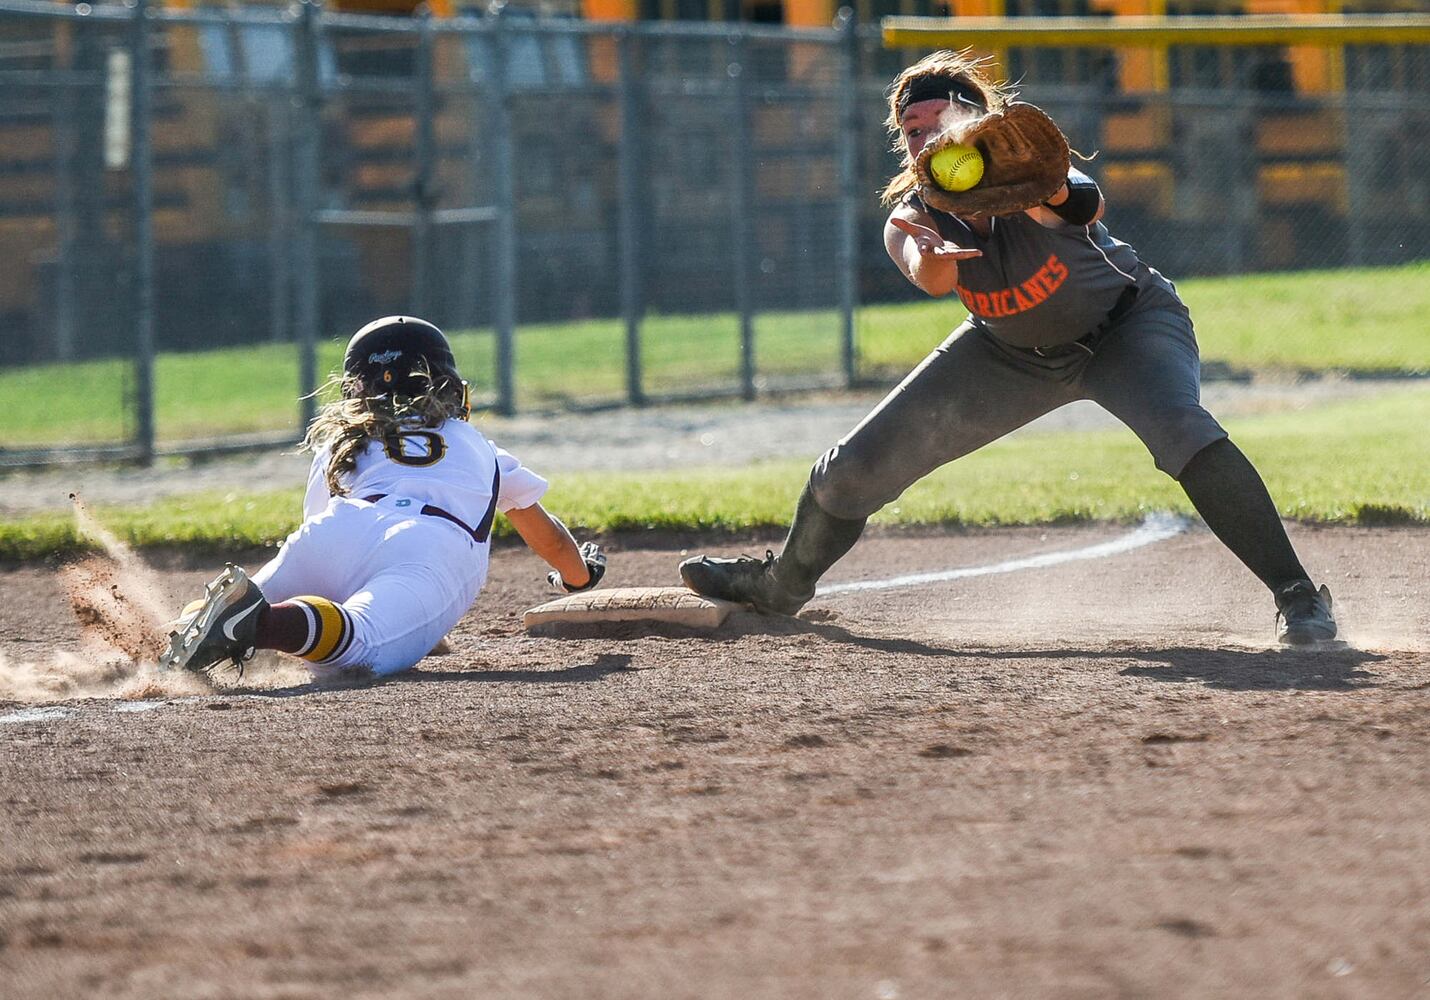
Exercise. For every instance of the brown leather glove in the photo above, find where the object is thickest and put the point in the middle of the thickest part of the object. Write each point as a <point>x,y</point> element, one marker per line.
<point>1025,161</point>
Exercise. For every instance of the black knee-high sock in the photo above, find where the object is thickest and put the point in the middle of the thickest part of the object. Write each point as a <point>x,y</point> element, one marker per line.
<point>816,541</point>
<point>311,627</point>
<point>1228,493</point>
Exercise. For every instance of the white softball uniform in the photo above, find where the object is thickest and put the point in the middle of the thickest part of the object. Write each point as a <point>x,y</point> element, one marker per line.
<point>405,553</point>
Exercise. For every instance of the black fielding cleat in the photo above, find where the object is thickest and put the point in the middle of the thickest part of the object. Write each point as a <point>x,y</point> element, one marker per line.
<point>1303,614</point>
<point>745,580</point>
<point>222,626</point>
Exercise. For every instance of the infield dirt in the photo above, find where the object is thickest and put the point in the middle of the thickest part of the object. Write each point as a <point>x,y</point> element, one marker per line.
<point>1094,780</point>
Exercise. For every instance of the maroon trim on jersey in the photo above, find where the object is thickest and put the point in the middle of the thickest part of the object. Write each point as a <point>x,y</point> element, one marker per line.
<point>484,529</point>
<point>481,532</point>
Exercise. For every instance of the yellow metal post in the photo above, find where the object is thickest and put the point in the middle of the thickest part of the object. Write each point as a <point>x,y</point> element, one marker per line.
<point>1131,32</point>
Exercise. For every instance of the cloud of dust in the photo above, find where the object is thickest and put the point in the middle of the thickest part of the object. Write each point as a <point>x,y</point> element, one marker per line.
<point>101,671</point>
<point>134,583</point>
<point>92,673</point>
<point>123,608</point>
<point>1384,641</point>
<point>115,608</point>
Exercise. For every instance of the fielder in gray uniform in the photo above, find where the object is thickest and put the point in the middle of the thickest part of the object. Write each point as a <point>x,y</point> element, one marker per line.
<point>1059,310</point>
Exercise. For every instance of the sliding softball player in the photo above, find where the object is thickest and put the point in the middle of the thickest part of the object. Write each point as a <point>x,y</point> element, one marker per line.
<point>397,521</point>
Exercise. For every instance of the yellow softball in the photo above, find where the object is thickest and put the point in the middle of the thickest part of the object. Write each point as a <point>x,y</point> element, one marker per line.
<point>956,167</point>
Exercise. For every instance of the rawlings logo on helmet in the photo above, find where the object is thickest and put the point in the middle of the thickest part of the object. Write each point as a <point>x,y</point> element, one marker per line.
<point>402,357</point>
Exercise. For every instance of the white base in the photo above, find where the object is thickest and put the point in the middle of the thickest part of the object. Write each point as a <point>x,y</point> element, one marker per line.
<point>663,605</point>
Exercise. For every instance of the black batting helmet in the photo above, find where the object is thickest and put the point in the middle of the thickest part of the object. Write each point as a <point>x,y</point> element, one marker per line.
<point>402,356</point>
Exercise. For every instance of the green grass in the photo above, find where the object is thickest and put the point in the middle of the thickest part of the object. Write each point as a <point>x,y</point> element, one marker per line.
<point>1369,319</point>
<point>1358,462</point>
<point>1361,319</point>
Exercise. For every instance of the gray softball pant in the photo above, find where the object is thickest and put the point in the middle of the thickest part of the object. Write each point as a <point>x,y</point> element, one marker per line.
<point>1144,369</point>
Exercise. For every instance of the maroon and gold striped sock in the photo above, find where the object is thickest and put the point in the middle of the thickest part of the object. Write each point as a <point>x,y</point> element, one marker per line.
<point>311,627</point>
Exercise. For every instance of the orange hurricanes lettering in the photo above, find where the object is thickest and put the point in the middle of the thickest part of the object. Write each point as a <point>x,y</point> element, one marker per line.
<point>1032,293</point>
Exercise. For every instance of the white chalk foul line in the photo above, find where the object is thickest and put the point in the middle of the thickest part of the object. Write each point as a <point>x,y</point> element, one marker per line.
<point>1156,528</point>
<point>47,713</point>
<point>51,713</point>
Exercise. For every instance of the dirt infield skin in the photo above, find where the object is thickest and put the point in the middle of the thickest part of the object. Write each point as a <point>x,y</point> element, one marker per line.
<point>1095,780</point>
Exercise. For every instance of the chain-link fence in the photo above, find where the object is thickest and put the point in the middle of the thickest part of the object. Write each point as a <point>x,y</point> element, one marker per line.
<point>200,205</point>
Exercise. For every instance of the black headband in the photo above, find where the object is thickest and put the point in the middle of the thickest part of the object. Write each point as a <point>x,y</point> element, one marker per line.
<point>941,88</point>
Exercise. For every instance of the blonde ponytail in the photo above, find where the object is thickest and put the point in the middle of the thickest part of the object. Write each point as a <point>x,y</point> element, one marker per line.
<point>348,424</point>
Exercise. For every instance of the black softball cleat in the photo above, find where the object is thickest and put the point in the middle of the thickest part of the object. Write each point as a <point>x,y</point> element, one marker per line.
<point>1303,614</point>
<point>745,580</point>
<point>221,626</point>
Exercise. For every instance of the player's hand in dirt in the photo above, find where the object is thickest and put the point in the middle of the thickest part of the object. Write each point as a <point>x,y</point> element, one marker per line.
<point>595,561</point>
<point>930,243</point>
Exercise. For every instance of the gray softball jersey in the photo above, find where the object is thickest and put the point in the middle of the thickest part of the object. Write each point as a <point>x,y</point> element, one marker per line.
<point>1137,357</point>
<point>1037,286</point>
